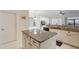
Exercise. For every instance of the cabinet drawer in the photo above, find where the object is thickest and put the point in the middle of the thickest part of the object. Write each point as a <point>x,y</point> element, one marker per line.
<point>34,42</point>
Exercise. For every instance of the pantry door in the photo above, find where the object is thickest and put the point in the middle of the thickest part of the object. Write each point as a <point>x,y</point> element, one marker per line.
<point>7,27</point>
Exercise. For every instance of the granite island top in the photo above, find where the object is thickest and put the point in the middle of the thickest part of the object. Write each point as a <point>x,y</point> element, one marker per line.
<point>39,35</point>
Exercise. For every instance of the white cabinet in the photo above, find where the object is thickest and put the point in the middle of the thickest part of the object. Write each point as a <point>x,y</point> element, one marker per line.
<point>62,35</point>
<point>69,37</point>
<point>65,46</point>
<point>27,42</point>
<point>49,44</point>
<point>35,43</point>
<point>73,38</point>
<point>30,43</point>
<point>34,47</point>
<point>59,35</point>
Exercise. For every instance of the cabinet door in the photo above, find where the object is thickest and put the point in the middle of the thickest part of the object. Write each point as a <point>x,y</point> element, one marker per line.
<point>7,27</point>
<point>28,43</point>
<point>49,44</point>
<point>34,47</point>
<point>24,36</point>
<point>35,43</point>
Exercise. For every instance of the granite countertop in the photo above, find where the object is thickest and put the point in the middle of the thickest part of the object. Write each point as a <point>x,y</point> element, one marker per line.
<point>61,27</point>
<point>39,35</point>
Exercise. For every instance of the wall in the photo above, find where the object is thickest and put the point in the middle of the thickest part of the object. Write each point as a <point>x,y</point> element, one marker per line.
<point>57,20</point>
<point>21,25</point>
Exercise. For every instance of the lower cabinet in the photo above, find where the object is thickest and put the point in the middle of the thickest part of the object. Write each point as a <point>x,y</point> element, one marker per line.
<point>49,44</point>
<point>69,37</point>
<point>31,43</point>
<point>65,46</point>
<point>34,47</point>
<point>73,38</point>
<point>35,44</point>
<point>27,43</point>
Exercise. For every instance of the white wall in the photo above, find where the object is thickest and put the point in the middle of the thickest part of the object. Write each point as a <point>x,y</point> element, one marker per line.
<point>21,25</point>
<point>57,20</point>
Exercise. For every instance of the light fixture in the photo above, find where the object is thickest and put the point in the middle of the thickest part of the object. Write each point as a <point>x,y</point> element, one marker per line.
<point>61,13</point>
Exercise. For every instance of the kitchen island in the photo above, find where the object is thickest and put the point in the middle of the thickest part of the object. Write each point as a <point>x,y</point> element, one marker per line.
<point>38,39</point>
